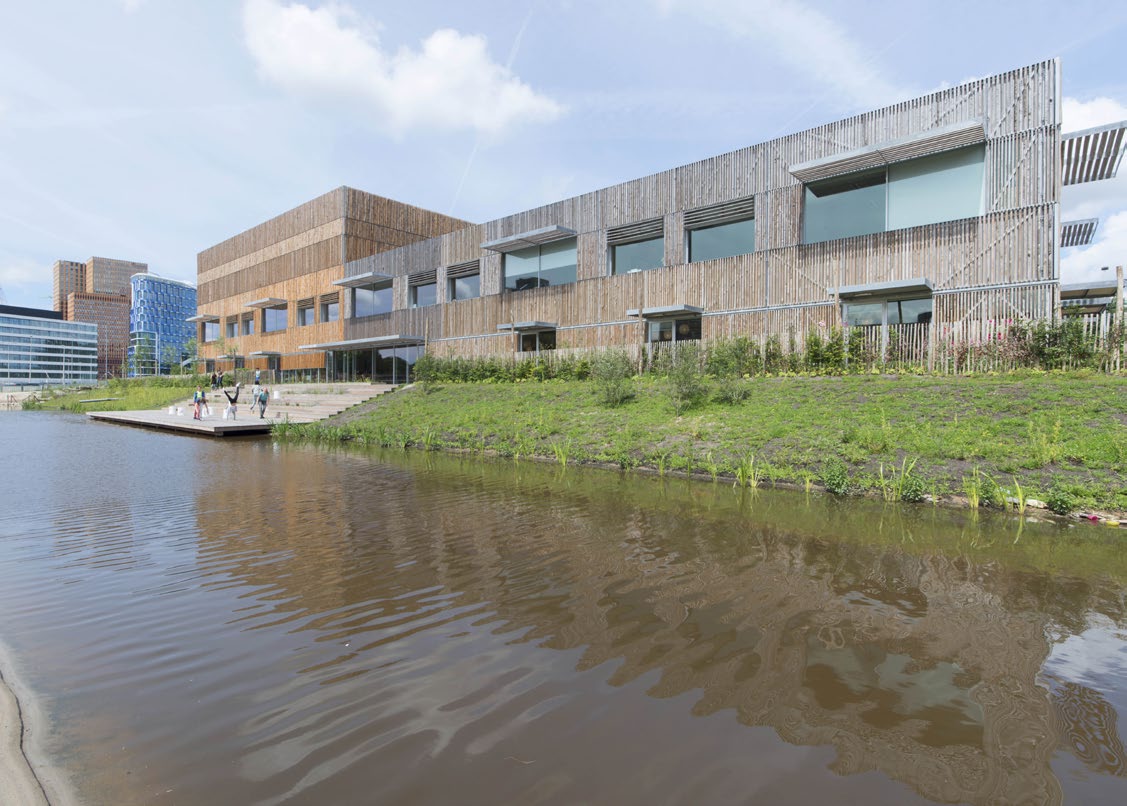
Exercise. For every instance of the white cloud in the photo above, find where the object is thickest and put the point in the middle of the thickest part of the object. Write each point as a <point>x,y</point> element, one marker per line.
<point>19,273</point>
<point>806,39</point>
<point>1084,264</point>
<point>1105,200</point>
<point>1077,115</point>
<point>450,82</point>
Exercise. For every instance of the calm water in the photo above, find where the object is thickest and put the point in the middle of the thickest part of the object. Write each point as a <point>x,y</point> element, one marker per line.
<point>208,622</point>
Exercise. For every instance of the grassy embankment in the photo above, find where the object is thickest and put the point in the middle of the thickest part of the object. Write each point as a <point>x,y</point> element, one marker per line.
<point>132,394</point>
<point>1058,437</point>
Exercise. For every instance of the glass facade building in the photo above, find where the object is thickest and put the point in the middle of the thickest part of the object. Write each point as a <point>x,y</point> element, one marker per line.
<point>41,348</point>
<point>158,326</point>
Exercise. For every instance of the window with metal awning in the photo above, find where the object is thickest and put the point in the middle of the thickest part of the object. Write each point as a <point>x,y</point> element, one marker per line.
<point>538,258</point>
<point>670,323</point>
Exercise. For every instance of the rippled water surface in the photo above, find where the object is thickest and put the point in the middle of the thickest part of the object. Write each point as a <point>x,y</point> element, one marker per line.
<point>208,622</point>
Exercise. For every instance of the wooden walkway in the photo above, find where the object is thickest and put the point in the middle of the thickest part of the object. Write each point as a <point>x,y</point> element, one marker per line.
<point>296,403</point>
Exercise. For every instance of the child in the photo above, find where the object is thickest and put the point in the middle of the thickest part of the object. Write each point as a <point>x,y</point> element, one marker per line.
<point>233,402</point>
<point>196,398</point>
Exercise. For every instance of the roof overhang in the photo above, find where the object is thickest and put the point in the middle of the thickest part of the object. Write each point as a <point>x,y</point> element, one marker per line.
<point>266,302</point>
<point>1092,154</point>
<point>203,317</point>
<point>914,285</point>
<point>367,278</point>
<point>933,141</point>
<point>397,340</point>
<point>527,327</point>
<point>1087,290</point>
<point>1078,233</point>
<point>666,311</point>
<point>264,354</point>
<point>535,237</point>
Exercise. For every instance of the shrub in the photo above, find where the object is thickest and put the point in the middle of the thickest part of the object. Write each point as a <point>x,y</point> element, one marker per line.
<point>731,391</point>
<point>687,387</point>
<point>1060,500</point>
<point>612,373</point>
<point>835,475</point>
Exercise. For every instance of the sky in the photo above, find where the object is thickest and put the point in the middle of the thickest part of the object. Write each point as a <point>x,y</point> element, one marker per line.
<point>149,130</point>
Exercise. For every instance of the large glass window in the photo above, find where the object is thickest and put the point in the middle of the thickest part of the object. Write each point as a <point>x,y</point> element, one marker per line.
<point>940,187</point>
<point>722,240</point>
<point>541,266</point>
<point>274,319</point>
<point>637,256</point>
<point>466,287</point>
<point>423,295</point>
<point>371,300</point>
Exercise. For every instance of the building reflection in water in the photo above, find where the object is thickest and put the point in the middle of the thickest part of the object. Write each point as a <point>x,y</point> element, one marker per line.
<point>909,642</point>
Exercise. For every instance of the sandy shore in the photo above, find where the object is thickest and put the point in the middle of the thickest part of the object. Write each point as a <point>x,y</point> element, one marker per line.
<point>18,784</point>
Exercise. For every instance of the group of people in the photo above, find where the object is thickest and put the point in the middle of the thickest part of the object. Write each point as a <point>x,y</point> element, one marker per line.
<point>259,395</point>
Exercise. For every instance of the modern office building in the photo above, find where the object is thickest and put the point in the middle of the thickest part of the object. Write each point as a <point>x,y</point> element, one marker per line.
<point>265,291</point>
<point>159,329</point>
<point>913,224</point>
<point>98,291</point>
<point>40,348</point>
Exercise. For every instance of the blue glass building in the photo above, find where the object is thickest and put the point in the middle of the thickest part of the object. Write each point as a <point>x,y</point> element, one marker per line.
<point>158,326</point>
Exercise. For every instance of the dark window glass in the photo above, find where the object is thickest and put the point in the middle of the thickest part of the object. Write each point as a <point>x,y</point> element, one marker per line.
<point>423,295</point>
<point>305,316</point>
<point>274,319</point>
<point>722,240</point>
<point>465,287</point>
<point>637,256</point>
<point>248,326</point>
<point>371,300</point>
<point>330,311</point>
<point>541,266</point>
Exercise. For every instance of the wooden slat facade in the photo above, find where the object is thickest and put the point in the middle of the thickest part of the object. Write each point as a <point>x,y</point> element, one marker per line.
<point>296,257</point>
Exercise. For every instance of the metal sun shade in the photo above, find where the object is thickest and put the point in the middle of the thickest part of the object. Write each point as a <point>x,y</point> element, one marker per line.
<point>1092,154</point>
<point>1078,233</point>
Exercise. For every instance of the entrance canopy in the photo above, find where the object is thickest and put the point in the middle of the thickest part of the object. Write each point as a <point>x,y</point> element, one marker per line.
<point>666,311</point>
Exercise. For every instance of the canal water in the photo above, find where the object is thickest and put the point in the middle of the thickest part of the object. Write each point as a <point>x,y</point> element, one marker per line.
<point>212,622</point>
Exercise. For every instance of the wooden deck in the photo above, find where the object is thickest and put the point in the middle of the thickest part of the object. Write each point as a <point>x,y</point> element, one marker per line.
<point>296,403</point>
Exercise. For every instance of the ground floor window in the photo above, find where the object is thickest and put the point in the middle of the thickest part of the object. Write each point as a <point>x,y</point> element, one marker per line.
<point>535,342</point>
<point>673,330</point>
<point>911,311</point>
<point>394,365</point>
<point>893,329</point>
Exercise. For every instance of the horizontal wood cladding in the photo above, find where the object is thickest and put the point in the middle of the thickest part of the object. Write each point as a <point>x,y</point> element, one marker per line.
<point>302,218</point>
<point>311,259</point>
<point>422,223</point>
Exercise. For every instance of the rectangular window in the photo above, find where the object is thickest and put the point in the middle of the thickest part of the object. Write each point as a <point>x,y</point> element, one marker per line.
<point>927,190</point>
<point>330,311</point>
<point>535,342</point>
<point>232,329</point>
<point>305,316</point>
<point>466,287</point>
<point>541,266</point>
<point>637,256</point>
<point>210,331</point>
<point>722,240</point>
<point>423,295</point>
<point>248,324</point>
<point>915,311</point>
<point>371,300</point>
<point>673,330</point>
<point>274,319</point>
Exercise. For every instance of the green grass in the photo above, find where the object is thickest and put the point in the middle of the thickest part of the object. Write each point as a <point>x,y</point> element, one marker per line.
<point>1037,430</point>
<point>133,394</point>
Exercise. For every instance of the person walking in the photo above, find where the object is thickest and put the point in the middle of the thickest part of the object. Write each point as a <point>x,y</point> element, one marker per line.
<point>232,403</point>
<point>263,398</point>
<point>254,392</point>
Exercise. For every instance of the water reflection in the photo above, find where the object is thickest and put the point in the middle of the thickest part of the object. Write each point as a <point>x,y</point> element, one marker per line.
<point>328,626</point>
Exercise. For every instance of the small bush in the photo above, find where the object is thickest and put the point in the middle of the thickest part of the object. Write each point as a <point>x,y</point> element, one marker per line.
<point>835,476</point>
<point>731,391</point>
<point>687,386</point>
<point>1060,500</point>
<point>612,373</point>
<point>913,489</point>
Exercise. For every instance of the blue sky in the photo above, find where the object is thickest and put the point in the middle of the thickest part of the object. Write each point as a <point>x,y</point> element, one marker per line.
<point>151,129</point>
